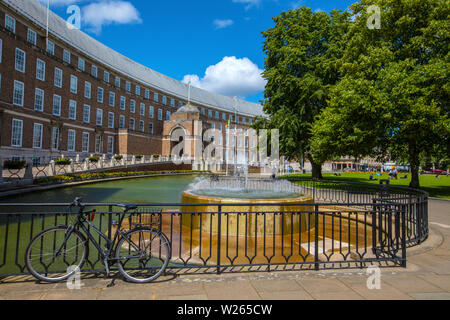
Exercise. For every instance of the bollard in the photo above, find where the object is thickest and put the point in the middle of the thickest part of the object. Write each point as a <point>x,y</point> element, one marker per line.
<point>29,169</point>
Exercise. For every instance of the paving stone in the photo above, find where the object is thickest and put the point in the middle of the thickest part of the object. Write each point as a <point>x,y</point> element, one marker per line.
<point>322,285</point>
<point>348,295</point>
<point>386,292</point>
<point>179,288</point>
<point>274,285</point>
<point>441,281</point>
<point>431,296</point>
<point>36,295</point>
<point>184,298</point>
<point>410,283</point>
<point>231,290</point>
<point>285,295</point>
<point>81,294</point>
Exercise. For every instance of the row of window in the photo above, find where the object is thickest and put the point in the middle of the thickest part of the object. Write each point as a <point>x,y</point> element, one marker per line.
<point>19,94</point>
<point>10,24</point>
<point>17,136</point>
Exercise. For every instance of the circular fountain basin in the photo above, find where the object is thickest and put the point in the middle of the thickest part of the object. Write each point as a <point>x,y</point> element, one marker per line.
<point>264,212</point>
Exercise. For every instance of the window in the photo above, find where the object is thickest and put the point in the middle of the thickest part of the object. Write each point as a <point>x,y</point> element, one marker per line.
<point>150,128</point>
<point>20,60</point>
<point>50,47</point>
<point>210,114</point>
<point>147,94</point>
<point>138,90</point>
<point>132,106</point>
<point>73,84</point>
<point>16,133</point>
<point>220,127</point>
<point>203,111</point>
<point>85,142</point>
<point>56,105</point>
<point>141,126</point>
<point>10,23</point>
<point>172,103</point>
<point>37,136</point>
<point>58,78</point>
<point>122,103</point>
<point>1,50</point>
<point>121,122</point>
<point>72,110</point>
<point>237,119</point>
<point>131,124</point>
<point>117,82</point>
<point>250,121</point>
<point>167,115</point>
<point>151,112</point>
<point>110,146</point>
<point>87,90</point>
<point>39,100</point>
<point>81,64</point>
<point>40,70</point>
<point>100,95</point>
<point>18,93</point>
<point>128,86</point>
<point>142,109</point>
<point>55,139</point>
<point>99,118</point>
<point>217,115</point>
<point>66,56</point>
<point>71,140</point>
<point>244,120</point>
<point>112,99</point>
<point>94,71</point>
<point>180,104</point>
<point>155,97</point>
<point>164,100</point>
<point>86,113</point>
<point>110,120</point>
<point>160,114</point>
<point>98,144</point>
<point>106,76</point>
<point>224,117</point>
<point>213,125</point>
<point>32,36</point>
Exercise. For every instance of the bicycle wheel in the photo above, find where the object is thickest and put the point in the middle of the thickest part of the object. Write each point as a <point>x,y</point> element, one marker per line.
<point>42,261</point>
<point>143,254</point>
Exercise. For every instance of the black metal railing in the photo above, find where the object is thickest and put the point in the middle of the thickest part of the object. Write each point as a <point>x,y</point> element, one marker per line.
<point>263,237</point>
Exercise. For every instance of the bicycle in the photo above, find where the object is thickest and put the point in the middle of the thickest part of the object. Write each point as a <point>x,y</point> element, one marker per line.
<point>142,254</point>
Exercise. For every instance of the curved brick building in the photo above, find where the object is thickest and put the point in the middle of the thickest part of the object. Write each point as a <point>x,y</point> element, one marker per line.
<point>70,94</point>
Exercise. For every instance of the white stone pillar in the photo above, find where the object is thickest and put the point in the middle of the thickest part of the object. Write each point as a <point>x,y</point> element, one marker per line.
<point>52,169</point>
<point>133,160</point>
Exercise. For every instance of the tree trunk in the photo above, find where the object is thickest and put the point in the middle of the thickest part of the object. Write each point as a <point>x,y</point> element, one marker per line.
<point>316,169</point>
<point>414,163</point>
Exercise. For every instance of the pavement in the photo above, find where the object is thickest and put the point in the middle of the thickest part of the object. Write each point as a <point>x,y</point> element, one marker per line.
<point>427,277</point>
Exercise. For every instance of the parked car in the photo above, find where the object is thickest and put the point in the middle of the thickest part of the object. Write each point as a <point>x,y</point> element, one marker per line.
<point>438,171</point>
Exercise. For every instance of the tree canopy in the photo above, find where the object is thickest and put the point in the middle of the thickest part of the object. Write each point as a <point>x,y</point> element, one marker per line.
<point>302,66</point>
<point>393,98</point>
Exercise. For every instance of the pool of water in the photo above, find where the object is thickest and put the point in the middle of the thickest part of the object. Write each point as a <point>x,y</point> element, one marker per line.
<point>143,190</point>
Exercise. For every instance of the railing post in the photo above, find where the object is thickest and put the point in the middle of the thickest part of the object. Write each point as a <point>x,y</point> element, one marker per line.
<point>374,227</point>
<point>1,169</point>
<point>219,236</point>
<point>110,222</point>
<point>316,237</point>
<point>403,230</point>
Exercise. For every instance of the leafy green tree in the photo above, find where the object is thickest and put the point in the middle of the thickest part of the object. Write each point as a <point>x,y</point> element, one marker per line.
<point>301,67</point>
<point>393,98</point>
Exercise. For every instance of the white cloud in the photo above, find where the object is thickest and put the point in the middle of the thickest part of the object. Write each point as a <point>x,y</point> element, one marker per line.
<point>230,77</point>
<point>98,14</point>
<point>249,3</point>
<point>220,24</point>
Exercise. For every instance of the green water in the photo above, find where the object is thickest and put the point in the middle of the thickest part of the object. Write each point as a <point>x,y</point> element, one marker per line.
<point>16,231</point>
<point>143,190</point>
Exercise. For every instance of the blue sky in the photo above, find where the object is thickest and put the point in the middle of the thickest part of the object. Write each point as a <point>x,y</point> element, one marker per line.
<point>217,44</point>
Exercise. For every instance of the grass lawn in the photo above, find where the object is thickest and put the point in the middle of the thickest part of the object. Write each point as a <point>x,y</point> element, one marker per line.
<point>437,188</point>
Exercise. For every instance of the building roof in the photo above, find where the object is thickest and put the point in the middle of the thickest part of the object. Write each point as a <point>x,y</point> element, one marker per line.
<point>97,51</point>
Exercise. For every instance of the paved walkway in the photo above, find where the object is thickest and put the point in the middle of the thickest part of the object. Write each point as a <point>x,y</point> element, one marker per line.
<point>426,277</point>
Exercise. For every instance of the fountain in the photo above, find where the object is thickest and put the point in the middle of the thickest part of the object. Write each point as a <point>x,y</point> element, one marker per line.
<point>266,205</point>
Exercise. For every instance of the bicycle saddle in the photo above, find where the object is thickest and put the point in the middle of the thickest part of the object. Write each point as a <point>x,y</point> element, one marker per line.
<point>127,206</point>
